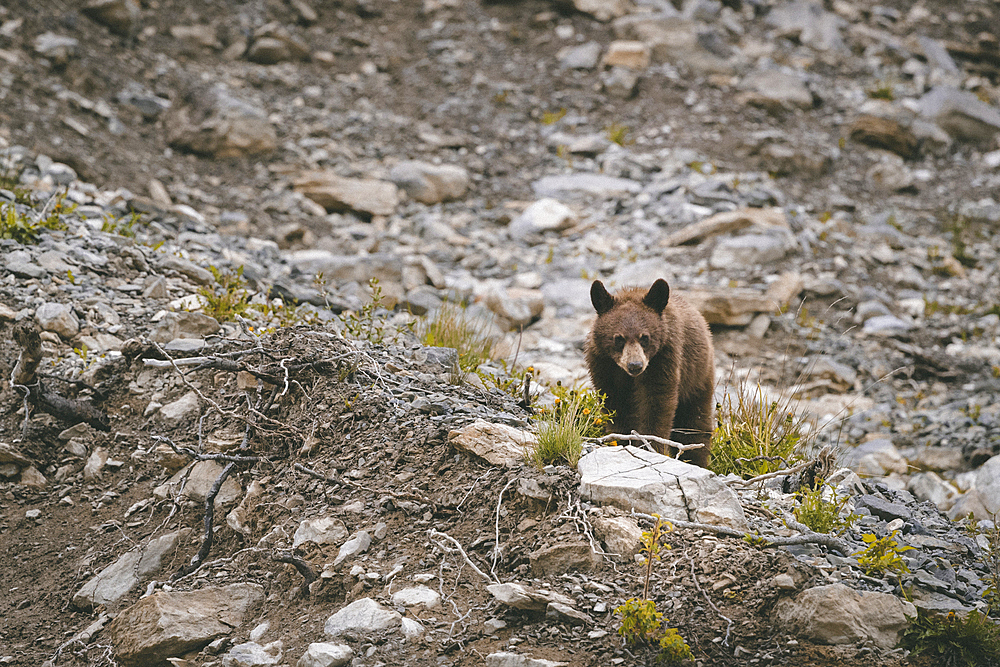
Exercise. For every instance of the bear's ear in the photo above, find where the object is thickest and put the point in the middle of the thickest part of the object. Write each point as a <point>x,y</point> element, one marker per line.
<point>657,296</point>
<point>603,302</point>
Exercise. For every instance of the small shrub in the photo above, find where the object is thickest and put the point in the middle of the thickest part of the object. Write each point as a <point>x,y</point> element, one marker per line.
<point>882,555</point>
<point>823,516</point>
<point>619,134</point>
<point>973,641</point>
<point>452,326</point>
<point>229,299</point>
<point>640,621</point>
<point>121,226</point>
<point>367,324</point>
<point>882,91</point>
<point>754,436</point>
<point>553,117</point>
<point>21,228</point>
<point>577,414</point>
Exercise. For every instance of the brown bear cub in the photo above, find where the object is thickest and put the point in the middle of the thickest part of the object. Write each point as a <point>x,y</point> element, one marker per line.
<point>651,355</point>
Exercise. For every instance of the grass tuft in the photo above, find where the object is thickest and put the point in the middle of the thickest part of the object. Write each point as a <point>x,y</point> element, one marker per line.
<point>973,641</point>
<point>577,414</point>
<point>453,326</point>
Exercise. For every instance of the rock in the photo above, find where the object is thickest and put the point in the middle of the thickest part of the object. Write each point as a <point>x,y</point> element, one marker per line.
<point>19,263</point>
<point>357,544</point>
<point>168,624</point>
<point>627,53</point>
<point>8,454</point>
<point>334,193</point>
<point>733,307</point>
<point>517,306</point>
<point>116,580</point>
<point>836,614</point>
<point>672,39</point>
<point>274,43</point>
<point>185,408</point>
<point>726,223</point>
<point>507,659</point>
<point>411,629</point>
<point>561,613</point>
<point>885,324</point>
<point>200,476</point>
<point>322,654</point>
<point>187,269</point>
<point>776,91</point>
<point>118,15</point>
<point>929,486</point>
<point>524,597</point>
<point>322,530</point>
<point>497,444</point>
<point>883,509</point>
<point>430,183</point>
<point>58,318</point>
<point>542,216</point>
<point>603,10</point>
<point>889,175</point>
<point>216,123</point>
<point>196,38</point>
<point>32,479</point>
<point>417,596</point>
<point>632,478</point>
<point>362,617</point>
<point>584,56</point>
<point>987,485</point>
<point>599,185</point>
<point>183,324</point>
<point>750,250</point>
<point>564,557</point>
<point>59,49</point>
<point>886,133</point>
<point>809,23</point>
<point>620,82</point>
<point>783,582</point>
<point>620,534</point>
<point>95,463</point>
<point>961,114</point>
<point>251,654</point>
<point>875,457</point>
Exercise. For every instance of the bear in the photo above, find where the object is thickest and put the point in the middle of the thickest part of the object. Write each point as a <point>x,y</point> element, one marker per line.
<point>651,355</point>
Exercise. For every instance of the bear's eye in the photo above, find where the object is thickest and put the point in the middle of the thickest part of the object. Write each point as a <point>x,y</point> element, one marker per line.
<point>644,340</point>
<point>619,343</point>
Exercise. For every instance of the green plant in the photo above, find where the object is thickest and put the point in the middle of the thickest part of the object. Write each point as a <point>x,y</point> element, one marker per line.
<point>619,134</point>
<point>640,621</point>
<point>988,540</point>
<point>823,516</point>
<point>973,641</point>
<point>576,414</point>
<point>22,228</point>
<point>882,90</point>
<point>553,117</point>
<point>882,555</point>
<point>121,226</point>
<point>959,226</point>
<point>229,298</point>
<point>754,435</point>
<point>452,326</point>
<point>367,324</point>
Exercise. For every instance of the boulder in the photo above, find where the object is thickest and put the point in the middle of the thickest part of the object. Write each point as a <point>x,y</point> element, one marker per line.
<point>362,617</point>
<point>961,114</point>
<point>430,183</point>
<point>417,596</point>
<point>836,614</point>
<point>116,580</point>
<point>183,409</point>
<point>562,558</point>
<point>323,654</point>
<point>524,597</point>
<point>252,654</point>
<point>58,318</point>
<point>620,534</point>
<point>120,16</point>
<point>215,122</point>
<point>367,196</point>
<point>633,478</point>
<point>168,624</point>
<point>183,324</point>
<point>498,444</point>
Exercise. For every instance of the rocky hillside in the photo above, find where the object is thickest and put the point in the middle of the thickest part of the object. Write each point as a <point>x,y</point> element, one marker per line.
<point>310,485</point>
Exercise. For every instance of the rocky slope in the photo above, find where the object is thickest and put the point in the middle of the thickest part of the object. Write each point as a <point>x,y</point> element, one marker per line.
<point>820,179</point>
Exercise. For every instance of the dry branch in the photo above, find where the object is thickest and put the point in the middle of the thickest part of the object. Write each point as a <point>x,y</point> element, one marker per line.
<point>305,569</point>
<point>646,439</point>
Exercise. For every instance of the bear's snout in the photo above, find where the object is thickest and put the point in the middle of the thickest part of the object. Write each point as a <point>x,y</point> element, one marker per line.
<point>633,359</point>
<point>635,367</point>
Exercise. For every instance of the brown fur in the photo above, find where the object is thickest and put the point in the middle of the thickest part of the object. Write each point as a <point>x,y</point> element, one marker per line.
<point>650,353</point>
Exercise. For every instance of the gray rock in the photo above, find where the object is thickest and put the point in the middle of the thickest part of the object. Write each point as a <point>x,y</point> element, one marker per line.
<point>19,263</point>
<point>875,457</point>
<point>196,480</point>
<point>417,596</point>
<point>961,114</point>
<point>185,408</point>
<point>118,15</point>
<point>185,345</point>
<point>168,624</point>
<point>363,617</point>
<point>116,580</point>
<point>562,558</point>
<point>750,250</point>
<point>508,659</point>
<point>516,306</point>
<point>430,183</point>
<point>599,185</point>
<point>95,464</point>
<point>58,318</point>
<point>584,56</point>
<point>672,39</point>
<point>620,534</point>
<point>561,613</point>
<point>776,91</point>
<point>252,654</point>
<point>603,10</point>
<point>807,21</point>
<point>352,547</point>
<point>334,193</point>
<point>542,216</point>
<point>187,269</point>
<point>497,444</point>
<point>524,597</point>
<point>59,49</point>
<point>620,82</point>
<point>216,123</point>
<point>183,324</point>
<point>836,614</point>
<point>930,487</point>
<point>632,478</point>
<point>883,509</point>
<point>322,654</point>
<point>321,530</point>
<point>885,324</point>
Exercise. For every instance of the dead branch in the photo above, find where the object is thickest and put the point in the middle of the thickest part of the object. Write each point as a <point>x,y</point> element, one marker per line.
<point>305,569</point>
<point>437,537</point>
<point>206,543</point>
<point>231,458</point>
<point>496,545</point>
<point>646,439</point>
<point>729,621</point>
<point>808,536</point>
<point>379,492</point>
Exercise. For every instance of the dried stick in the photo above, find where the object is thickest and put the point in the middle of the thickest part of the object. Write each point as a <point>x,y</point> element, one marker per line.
<point>305,569</point>
<point>496,545</point>
<point>362,487</point>
<point>729,621</point>
<point>206,543</point>
<point>432,534</point>
<point>646,439</point>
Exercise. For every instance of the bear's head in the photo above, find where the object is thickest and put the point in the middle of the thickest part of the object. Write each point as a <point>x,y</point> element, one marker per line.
<point>629,327</point>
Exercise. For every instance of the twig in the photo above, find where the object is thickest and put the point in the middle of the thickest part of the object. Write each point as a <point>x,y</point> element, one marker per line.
<point>379,492</point>
<point>206,543</point>
<point>776,473</point>
<point>305,569</point>
<point>729,621</point>
<point>646,439</point>
<point>496,545</point>
<point>187,451</point>
<point>432,534</point>
<point>473,487</point>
